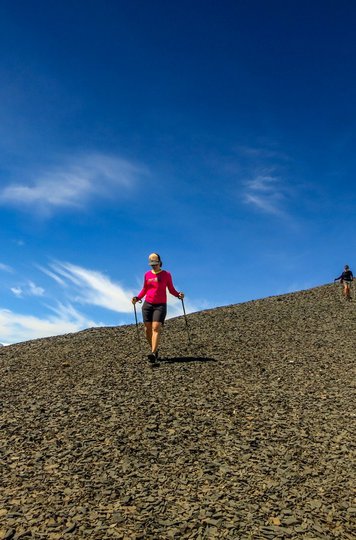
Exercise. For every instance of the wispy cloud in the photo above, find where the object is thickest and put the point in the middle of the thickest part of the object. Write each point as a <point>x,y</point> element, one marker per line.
<point>91,287</point>
<point>29,289</point>
<point>52,275</point>
<point>262,153</point>
<point>264,176</point>
<point>175,308</point>
<point>35,290</point>
<point>266,193</point>
<point>5,268</point>
<point>16,327</point>
<point>17,291</point>
<point>94,288</point>
<point>73,184</point>
<point>77,285</point>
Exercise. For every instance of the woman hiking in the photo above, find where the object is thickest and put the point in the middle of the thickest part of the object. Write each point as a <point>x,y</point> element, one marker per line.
<point>346,278</point>
<point>154,309</point>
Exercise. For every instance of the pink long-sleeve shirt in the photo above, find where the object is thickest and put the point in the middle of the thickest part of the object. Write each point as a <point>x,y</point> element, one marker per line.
<point>155,287</point>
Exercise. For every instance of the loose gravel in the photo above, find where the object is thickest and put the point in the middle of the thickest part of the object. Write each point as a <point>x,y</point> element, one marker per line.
<point>249,433</point>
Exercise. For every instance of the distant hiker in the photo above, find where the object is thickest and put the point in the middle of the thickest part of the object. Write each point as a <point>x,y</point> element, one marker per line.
<point>154,309</point>
<point>346,278</point>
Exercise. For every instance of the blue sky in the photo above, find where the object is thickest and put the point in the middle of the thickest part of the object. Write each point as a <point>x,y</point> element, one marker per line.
<point>220,134</point>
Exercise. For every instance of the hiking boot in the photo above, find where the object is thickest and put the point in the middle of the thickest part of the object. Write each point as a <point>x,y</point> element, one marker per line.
<point>151,358</point>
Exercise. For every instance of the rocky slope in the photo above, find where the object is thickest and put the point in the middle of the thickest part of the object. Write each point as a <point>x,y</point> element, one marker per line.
<point>246,434</point>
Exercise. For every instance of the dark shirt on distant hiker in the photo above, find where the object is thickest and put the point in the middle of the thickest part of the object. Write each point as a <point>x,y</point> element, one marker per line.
<point>346,276</point>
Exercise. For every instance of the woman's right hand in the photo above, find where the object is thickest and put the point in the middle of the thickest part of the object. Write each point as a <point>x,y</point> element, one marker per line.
<point>134,300</point>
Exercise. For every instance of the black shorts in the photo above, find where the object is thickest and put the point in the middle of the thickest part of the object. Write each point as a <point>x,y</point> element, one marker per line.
<point>154,312</point>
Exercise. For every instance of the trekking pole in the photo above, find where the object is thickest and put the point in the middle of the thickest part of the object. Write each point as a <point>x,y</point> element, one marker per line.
<point>186,323</point>
<point>137,330</point>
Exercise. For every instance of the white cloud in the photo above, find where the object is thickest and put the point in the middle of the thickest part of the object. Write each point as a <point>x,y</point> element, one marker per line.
<point>64,319</point>
<point>92,287</point>
<point>17,291</point>
<point>267,204</point>
<point>175,307</point>
<point>74,184</point>
<point>30,289</point>
<point>15,327</point>
<point>78,285</point>
<point>262,183</point>
<point>262,152</point>
<point>5,268</point>
<point>34,290</point>
<point>266,193</point>
<point>81,285</point>
<point>52,275</point>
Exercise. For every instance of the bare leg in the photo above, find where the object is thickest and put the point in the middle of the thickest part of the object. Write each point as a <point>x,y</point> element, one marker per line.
<point>347,291</point>
<point>148,331</point>
<point>156,333</point>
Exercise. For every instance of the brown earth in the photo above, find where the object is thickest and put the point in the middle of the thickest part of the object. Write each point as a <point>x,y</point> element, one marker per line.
<point>249,434</point>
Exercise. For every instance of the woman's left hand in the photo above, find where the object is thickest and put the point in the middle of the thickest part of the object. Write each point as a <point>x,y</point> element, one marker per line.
<point>181,296</point>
